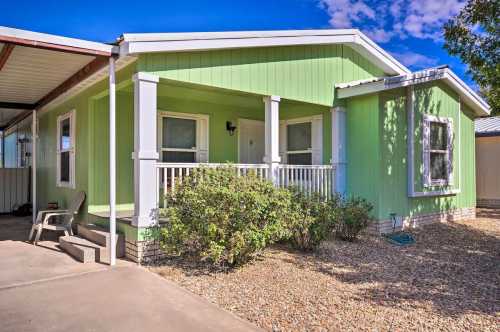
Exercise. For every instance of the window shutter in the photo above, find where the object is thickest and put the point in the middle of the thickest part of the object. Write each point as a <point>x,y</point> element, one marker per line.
<point>283,142</point>
<point>202,141</point>
<point>450,152</point>
<point>426,132</point>
<point>317,140</point>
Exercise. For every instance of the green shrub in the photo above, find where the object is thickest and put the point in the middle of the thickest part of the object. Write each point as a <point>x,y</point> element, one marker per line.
<point>216,215</point>
<point>354,216</point>
<point>313,219</point>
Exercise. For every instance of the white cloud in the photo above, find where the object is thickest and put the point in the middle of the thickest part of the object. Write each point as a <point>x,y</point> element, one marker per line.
<point>343,13</point>
<point>415,60</point>
<point>387,19</point>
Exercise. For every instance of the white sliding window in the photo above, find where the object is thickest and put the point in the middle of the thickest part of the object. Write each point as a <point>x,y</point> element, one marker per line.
<point>183,138</point>
<point>66,150</point>
<point>301,141</point>
<point>437,151</point>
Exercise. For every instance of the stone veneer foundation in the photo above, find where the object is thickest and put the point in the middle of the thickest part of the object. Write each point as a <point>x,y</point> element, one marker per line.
<point>386,226</point>
<point>143,251</point>
<point>488,203</point>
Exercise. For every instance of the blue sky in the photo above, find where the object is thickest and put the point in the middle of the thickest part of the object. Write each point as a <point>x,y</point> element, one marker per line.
<point>408,29</point>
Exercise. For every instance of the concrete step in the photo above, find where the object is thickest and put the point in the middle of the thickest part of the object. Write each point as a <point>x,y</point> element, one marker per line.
<point>101,236</point>
<point>81,249</point>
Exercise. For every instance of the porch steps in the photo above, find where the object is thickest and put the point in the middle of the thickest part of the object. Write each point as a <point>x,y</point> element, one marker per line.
<point>91,244</point>
<point>101,237</point>
<point>81,249</point>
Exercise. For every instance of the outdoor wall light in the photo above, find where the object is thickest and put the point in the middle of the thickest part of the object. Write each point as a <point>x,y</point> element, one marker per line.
<point>230,128</point>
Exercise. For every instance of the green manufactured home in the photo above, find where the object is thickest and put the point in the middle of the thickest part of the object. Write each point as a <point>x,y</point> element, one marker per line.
<point>326,110</point>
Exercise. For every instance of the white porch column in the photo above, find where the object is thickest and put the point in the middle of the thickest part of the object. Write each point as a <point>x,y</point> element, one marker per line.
<point>34,136</point>
<point>339,158</point>
<point>145,149</point>
<point>272,127</point>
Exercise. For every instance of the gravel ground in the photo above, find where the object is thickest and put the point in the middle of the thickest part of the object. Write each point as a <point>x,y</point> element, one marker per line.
<point>448,281</point>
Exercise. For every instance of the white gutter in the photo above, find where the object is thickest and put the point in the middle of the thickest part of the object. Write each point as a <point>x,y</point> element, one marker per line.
<point>37,37</point>
<point>468,96</point>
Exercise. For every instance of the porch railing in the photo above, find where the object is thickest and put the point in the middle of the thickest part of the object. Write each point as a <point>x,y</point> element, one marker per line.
<point>307,178</point>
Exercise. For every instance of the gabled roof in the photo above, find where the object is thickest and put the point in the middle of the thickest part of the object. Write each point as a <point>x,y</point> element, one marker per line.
<point>467,95</point>
<point>136,43</point>
<point>487,126</point>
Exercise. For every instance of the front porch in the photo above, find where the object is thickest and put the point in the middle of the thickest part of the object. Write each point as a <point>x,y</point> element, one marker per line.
<point>172,127</point>
<point>179,126</point>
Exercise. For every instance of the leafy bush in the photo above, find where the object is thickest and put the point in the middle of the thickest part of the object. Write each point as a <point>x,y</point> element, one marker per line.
<point>354,216</point>
<point>226,219</point>
<point>313,221</point>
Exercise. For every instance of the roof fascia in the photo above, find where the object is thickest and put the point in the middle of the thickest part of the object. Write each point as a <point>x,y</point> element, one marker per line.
<point>56,43</point>
<point>152,43</point>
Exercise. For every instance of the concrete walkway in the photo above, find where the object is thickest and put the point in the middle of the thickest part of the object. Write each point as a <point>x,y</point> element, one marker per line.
<point>43,289</point>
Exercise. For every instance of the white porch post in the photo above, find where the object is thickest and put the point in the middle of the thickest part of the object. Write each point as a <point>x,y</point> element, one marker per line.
<point>339,158</point>
<point>34,135</point>
<point>272,126</point>
<point>145,149</point>
<point>112,161</point>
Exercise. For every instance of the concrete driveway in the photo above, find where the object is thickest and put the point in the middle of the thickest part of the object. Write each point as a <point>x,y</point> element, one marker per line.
<point>43,289</point>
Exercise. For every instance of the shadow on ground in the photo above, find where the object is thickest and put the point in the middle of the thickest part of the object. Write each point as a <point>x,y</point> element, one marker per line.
<point>453,267</point>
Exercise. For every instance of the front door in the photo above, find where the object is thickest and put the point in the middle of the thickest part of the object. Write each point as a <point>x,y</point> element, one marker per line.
<point>251,141</point>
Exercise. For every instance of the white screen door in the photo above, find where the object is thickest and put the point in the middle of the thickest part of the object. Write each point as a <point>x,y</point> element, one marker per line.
<point>251,141</point>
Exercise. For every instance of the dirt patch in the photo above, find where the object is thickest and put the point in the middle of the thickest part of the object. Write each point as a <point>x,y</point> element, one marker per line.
<point>448,281</point>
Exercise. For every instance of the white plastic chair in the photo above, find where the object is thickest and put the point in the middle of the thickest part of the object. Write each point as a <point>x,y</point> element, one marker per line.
<point>43,218</point>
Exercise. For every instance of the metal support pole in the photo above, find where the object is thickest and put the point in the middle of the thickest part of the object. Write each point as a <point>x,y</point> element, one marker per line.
<point>34,135</point>
<point>112,161</point>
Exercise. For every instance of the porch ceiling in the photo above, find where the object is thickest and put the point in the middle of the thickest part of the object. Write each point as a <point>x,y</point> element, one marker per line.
<point>30,73</point>
<point>35,68</point>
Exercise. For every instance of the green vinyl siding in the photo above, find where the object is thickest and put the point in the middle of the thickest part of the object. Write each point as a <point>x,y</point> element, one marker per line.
<point>47,191</point>
<point>99,152</point>
<point>363,146</point>
<point>301,73</point>
<point>436,99</point>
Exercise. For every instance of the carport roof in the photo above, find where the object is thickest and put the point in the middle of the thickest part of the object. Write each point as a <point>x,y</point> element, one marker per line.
<point>35,68</point>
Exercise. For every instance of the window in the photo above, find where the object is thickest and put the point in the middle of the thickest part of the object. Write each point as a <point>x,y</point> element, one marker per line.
<point>438,139</point>
<point>183,138</point>
<point>66,150</point>
<point>299,144</point>
<point>301,141</point>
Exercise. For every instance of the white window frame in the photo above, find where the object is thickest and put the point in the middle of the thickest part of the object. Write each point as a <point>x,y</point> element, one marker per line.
<point>71,115</point>
<point>202,139</point>
<point>426,150</point>
<point>316,149</point>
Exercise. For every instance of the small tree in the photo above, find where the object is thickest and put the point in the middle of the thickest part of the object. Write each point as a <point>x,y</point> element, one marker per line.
<point>474,36</point>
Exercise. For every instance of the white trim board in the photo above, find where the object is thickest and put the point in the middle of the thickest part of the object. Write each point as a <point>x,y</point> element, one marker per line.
<point>201,41</point>
<point>468,96</point>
